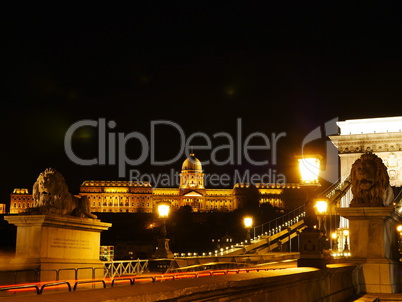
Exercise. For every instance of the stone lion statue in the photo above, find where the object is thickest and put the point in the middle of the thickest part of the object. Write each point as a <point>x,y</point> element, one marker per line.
<point>50,195</point>
<point>370,182</point>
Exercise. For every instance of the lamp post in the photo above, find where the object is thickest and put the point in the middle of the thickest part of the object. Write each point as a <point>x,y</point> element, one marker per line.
<point>248,223</point>
<point>163,250</point>
<point>399,230</point>
<point>309,168</point>
<point>346,246</point>
<point>163,211</point>
<point>311,242</point>
<point>334,242</point>
<point>321,206</point>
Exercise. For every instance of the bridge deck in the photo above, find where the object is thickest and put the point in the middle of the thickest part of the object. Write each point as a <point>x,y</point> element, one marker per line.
<point>293,284</point>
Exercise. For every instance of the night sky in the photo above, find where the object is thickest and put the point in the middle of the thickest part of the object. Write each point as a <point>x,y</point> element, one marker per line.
<point>279,67</point>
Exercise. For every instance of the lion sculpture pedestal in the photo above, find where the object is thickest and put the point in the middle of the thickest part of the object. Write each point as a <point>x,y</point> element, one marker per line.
<point>373,246</point>
<point>60,247</point>
<point>372,222</point>
<point>58,236</point>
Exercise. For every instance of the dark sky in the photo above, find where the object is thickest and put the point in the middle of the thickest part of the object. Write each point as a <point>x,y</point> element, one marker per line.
<point>285,66</point>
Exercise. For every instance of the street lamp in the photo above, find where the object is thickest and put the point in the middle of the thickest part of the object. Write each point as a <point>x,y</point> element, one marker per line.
<point>346,246</point>
<point>163,250</point>
<point>321,206</point>
<point>399,229</point>
<point>248,223</point>
<point>309,167</point>
<point>334,236</point>
<point>311,243</point>
<point>163,212</point>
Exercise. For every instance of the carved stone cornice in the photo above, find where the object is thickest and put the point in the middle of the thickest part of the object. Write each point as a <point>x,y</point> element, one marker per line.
<point>375,142</point>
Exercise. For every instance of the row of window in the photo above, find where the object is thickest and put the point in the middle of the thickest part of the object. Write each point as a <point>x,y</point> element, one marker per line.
<point>104,210</point>
<point>110,204</point>
<point>274,201</point>
<point>149,197</point>
<point>118,209</point>
<point>167,193</point>
<point>115,191</point>
<point>21,205</point>
<point>22,198</point>
<point>117,197</point>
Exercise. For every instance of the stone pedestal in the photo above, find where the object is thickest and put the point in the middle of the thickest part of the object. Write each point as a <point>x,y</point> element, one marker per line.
<point>62,247</point>
<point>311,249</point>
<point>373,246</point>
<point>163,250</point>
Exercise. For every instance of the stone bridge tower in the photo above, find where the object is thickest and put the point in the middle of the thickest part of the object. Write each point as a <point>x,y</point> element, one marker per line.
<point>382,136</point>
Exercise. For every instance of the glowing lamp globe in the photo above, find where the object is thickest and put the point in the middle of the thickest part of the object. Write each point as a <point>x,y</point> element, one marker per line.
<point>309,169</point>
<point>321,206</point>
<point>163,210</point>
<point>248,222</point>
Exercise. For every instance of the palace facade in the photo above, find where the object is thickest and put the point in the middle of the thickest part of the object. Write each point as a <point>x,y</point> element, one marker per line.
<point>141,197</point>
<point>20,200</point>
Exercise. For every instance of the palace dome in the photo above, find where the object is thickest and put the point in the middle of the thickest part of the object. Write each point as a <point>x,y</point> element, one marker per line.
<point>192,163</point>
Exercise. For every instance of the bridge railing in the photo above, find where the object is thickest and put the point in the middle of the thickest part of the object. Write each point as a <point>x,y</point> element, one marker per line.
<point>335,192</point>
<point>279,224</point>
<point>330,191</point>
<point>124,267</point>
<point>30,289</point>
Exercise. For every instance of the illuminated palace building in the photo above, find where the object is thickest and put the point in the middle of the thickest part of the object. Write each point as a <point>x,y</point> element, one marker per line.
<point>141,197</point>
